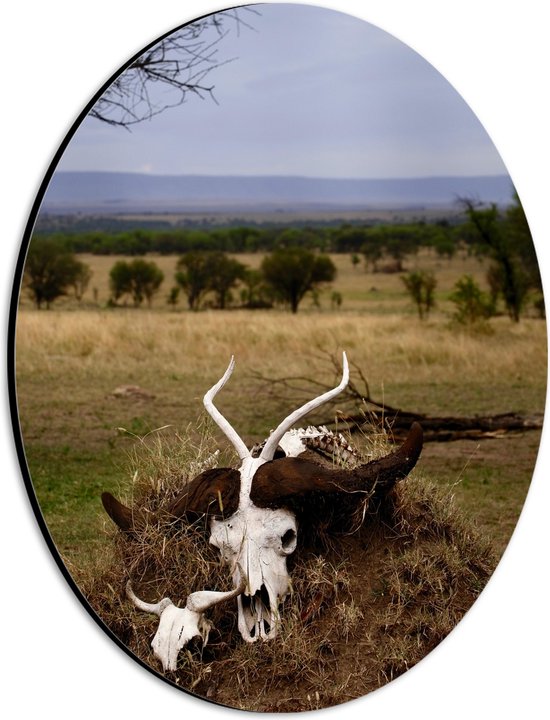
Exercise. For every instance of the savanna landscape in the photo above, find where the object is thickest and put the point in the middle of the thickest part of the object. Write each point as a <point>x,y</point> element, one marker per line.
<point>284,203</point>
<point>110,399</point>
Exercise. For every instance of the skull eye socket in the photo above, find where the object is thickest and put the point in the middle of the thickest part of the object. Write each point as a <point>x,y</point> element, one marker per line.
<point>288,540</point>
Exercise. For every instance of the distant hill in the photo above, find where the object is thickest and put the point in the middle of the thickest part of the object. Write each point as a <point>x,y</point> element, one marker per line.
<point>112,192</point>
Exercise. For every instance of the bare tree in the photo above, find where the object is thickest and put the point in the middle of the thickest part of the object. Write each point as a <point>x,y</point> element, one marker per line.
<point>177,65</point>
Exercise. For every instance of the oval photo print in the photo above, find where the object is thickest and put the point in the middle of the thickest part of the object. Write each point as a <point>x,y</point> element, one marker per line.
<point>281,358</point>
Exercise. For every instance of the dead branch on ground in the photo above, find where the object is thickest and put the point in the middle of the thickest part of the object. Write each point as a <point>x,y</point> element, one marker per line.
<point>363,409</point>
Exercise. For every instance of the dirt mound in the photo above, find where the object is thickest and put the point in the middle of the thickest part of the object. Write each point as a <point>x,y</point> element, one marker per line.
<point>361,612</point>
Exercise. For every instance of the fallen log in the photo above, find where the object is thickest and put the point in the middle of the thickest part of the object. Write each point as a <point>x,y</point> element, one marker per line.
<point>396,421</point>
<point>441,428</point>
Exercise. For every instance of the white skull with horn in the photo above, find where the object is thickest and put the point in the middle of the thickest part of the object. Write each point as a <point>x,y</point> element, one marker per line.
<point>178,626</point>
<point>255,542</point>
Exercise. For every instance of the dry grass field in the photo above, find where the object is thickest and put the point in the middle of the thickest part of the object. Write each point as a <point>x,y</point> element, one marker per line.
<point>69,364</point>
<point>79,435</point>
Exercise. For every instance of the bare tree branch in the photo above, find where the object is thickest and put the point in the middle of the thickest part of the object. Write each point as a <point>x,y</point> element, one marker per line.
<point>166,73</point>
<point>357,407</point>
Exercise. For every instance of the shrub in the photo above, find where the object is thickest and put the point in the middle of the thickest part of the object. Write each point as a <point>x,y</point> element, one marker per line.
<point>421,285</point>
<point>472,305</point>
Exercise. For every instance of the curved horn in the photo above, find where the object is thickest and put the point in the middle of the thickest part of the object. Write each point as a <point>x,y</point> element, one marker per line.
<point>216,491</point>
<point>198,602</point>
<point>201,600</point>
<point>291,477</point>
<point>154,608</point>
<point>273,440</point>
<point>219,419</point>
<point>120,514</point>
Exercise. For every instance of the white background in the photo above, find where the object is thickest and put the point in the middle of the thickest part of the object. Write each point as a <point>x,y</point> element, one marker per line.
<point>55,659</point>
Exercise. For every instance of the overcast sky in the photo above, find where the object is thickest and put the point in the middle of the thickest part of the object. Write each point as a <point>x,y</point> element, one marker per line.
<point>310,92</point>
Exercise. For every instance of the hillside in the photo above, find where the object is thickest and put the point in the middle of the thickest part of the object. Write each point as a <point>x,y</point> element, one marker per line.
<point>111,192</point>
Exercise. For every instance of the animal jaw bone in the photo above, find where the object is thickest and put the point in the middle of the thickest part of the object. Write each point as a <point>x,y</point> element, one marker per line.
<point>177,626</point>
<point>324,441</point>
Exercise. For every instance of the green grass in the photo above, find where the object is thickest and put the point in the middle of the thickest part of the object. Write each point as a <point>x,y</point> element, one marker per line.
<point>489,479</point>
<point>68,483</point>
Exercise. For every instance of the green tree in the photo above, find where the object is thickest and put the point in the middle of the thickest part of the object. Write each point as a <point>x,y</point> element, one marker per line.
<point>372,252</point>
<point>120,280</point>
<point>421,285</point>
<point>193,276</point>
<point>173,296</point>
<point>292,272</point>
<point>147,278</point>
<point>336,300</point>
<point>255,293</point>
<point>396,241</point>
<point>50,271</point>
<point>520,239</point>
<point>140,278</point>
<point>224,274</point>
<point>444,245</point>
<point>512,252</point>
<point>298,237</point>
<point>81,279</point>
<point>349,238</point>
<point>402,240</point>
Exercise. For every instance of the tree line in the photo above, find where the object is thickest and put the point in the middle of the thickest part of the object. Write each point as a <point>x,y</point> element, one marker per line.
<point>374,241</point>
<point>285,277</point>
<point>297,263</point>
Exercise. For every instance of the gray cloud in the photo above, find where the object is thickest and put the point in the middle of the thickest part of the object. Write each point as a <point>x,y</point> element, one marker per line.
<point>311,92</point>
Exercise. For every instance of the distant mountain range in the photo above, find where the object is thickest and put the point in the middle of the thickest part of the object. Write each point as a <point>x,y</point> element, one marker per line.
<point>114,193</point>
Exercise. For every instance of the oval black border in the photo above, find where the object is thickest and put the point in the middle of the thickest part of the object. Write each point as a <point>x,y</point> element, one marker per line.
<point>11,360</point>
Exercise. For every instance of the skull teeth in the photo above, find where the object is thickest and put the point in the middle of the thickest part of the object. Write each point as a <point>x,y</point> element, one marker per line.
<point>257,614</point>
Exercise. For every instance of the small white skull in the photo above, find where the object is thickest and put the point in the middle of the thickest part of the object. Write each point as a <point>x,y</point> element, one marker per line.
<point>255,543</point>
<point>178,626</point>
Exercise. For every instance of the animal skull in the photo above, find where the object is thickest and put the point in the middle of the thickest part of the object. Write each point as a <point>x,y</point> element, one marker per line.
<point>260,540</point>
<point>178,626</point>
<point>255,542</point>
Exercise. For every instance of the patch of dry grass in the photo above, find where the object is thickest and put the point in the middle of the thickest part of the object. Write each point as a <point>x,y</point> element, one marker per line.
<point>389,349</point>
